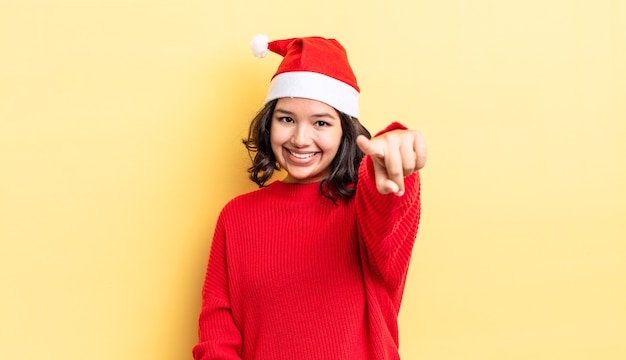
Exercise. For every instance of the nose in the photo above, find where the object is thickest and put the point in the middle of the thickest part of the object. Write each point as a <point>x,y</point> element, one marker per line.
<point>301,136</point>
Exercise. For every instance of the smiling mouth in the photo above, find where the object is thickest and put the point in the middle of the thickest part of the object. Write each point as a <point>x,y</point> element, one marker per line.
<point>302,156</point>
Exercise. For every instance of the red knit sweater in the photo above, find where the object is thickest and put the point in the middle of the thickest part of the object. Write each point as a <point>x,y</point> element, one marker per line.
<point>293,276</point>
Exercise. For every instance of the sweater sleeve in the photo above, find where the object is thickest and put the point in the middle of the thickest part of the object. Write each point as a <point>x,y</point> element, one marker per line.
<point>219,337</point>
<point>387,223</point>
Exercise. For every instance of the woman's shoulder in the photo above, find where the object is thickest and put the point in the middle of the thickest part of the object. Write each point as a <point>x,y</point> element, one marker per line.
<point>248,199</point>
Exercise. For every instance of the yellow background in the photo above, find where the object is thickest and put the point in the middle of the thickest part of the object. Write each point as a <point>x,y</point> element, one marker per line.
<point>120,128</point>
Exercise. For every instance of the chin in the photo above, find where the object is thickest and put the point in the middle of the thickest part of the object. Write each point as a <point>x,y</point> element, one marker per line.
<point>305,179</point>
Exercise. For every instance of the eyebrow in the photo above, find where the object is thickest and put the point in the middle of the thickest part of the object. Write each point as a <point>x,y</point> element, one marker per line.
<point>320,115</point>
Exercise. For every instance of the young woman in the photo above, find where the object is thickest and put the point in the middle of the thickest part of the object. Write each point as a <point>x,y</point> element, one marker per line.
<point>313,266</point>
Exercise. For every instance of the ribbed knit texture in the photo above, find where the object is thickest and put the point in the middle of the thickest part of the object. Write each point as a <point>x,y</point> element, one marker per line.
<point>293,276</point>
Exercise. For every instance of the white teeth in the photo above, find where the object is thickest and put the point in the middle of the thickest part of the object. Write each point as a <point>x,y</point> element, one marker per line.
<point>302,156</point>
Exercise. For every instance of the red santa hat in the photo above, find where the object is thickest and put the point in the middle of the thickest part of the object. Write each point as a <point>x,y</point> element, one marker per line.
<point>312,68</point>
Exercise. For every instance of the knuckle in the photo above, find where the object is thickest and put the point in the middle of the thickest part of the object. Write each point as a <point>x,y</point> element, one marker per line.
<point>395,172</point>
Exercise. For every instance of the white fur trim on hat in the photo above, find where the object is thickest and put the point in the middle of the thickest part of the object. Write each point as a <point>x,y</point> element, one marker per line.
<point>316,86</point>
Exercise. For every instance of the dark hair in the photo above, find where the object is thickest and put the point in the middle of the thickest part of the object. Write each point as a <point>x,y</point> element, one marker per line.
<point>341,183</point>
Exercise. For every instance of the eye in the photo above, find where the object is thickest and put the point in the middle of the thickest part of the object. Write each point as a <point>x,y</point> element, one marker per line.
<point>321,123</point>
<point>285,119</point>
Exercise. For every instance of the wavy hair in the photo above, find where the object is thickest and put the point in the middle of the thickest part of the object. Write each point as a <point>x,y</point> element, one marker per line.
<point>341,183</point>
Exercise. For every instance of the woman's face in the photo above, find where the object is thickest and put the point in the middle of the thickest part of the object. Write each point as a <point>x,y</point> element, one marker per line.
<point>305,136</point>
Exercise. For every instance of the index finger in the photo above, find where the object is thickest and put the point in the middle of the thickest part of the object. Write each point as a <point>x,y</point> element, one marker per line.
<point>366,146</point>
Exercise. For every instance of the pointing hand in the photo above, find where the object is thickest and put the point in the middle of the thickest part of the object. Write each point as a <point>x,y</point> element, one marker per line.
<point>395,154</point>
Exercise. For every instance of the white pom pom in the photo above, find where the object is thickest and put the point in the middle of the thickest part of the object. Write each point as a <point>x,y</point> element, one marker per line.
<point>259,45</point>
